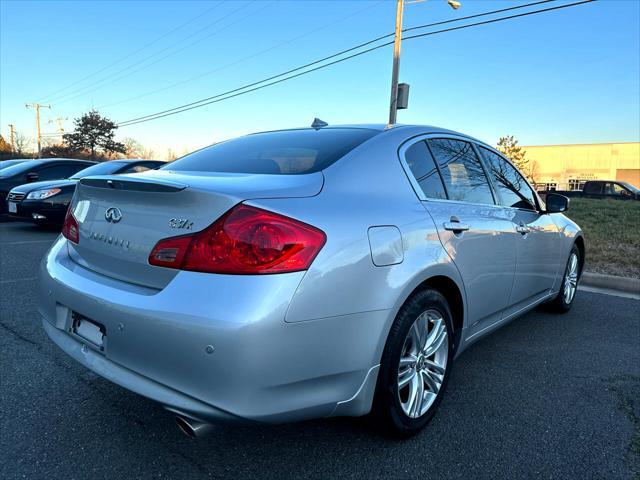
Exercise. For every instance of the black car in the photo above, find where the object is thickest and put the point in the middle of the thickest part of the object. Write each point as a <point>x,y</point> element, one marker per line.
<point>47,202</point>
<point>36,170</point>
<point>614,189</point>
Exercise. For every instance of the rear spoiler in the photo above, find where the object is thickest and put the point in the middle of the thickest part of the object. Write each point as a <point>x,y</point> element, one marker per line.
<point>137,185</point>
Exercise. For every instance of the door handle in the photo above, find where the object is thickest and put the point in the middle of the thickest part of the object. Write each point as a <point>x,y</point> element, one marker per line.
<point>523,230</point>
<point>455,226</point>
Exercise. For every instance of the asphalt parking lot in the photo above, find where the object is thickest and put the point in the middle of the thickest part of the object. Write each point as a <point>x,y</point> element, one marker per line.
<point>546,396</point>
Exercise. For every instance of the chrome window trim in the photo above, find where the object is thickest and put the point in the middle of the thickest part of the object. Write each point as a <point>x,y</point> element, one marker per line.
<point>416,186</point>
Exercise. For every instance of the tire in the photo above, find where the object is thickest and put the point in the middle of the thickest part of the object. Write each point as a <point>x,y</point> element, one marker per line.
<point>566,296</point>
<point>394,403</point>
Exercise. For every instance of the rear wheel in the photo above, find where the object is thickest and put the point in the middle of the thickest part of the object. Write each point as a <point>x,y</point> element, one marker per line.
<point>415,364</point>
<point>563,302</point>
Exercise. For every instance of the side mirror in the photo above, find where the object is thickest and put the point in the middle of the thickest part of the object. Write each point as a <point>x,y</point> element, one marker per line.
<point>32,177</point>
<point>556,203</point>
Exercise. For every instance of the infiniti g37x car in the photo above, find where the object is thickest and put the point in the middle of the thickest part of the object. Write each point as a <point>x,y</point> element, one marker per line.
<point>304,273</point>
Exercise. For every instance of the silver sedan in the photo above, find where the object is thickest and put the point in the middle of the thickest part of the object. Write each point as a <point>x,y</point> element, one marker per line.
<point>305,273</point>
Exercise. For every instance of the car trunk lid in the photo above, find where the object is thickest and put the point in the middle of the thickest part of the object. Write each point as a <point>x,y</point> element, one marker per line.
<point>121,218</point>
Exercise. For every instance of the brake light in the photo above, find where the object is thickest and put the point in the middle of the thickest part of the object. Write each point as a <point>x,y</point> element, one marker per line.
<point>70,228</point>
<point>245,240</point>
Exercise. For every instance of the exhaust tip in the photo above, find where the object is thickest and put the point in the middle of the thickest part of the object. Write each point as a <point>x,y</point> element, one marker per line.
<point>185,427</point>
<point>192,428</point>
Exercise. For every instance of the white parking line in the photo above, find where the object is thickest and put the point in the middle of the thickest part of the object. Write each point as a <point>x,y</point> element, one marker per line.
<point>16,280</point>
<point>27,242</point>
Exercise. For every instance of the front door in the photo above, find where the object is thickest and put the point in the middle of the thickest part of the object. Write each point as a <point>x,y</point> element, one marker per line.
<point>537,251</point>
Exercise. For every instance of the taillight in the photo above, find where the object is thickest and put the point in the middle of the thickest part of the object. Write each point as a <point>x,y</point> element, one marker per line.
<point>245,240</point>
<point>70,228</point>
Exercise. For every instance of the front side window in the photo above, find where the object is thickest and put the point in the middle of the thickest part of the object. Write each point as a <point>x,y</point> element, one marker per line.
<point>619,190</point>
<point>287,152</point>
<point>513,189</point>
<point>423,167</point>
<point>461,171</point>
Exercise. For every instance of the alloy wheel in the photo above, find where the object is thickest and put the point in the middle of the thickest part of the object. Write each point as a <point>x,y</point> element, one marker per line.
<point>571,279</point>
<point>423,363</point>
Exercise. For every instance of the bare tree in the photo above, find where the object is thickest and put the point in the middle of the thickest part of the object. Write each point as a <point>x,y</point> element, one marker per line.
<point>148,154</point>
<point>133,148</point>
<point>21,143</point>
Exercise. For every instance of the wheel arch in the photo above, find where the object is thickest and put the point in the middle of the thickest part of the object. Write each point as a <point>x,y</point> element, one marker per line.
<point>452,293</point>
<point>444,279</point>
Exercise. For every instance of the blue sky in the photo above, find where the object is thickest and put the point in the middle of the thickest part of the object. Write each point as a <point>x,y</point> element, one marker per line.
<point>568,76</point>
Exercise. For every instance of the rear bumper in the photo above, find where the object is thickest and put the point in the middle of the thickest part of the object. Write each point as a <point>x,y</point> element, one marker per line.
<point>261,368</point>
<point>130,380</point>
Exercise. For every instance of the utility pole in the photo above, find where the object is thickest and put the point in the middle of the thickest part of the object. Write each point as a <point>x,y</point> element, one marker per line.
<point>12,131</point>
<point>59,121</point>
<point>37,106</point>
<point>393,105</point>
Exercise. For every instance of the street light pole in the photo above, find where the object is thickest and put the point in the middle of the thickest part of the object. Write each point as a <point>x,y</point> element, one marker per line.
<point>393,105</point>
<point>397,43</point>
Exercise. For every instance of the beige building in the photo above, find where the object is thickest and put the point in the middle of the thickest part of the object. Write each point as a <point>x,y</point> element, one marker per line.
<point>567,167</point>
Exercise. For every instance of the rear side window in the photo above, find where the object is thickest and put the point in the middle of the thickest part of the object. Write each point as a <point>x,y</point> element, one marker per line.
<point>593,187</point>
<point>513,189</point>
<point>461,171</point>
<point>288,152</point>
<point>420,161</point>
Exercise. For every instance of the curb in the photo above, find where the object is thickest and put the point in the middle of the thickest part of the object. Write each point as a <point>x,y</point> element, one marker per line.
<point>611,282</point>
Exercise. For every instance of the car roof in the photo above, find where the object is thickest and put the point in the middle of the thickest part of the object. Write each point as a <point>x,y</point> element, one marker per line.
<point>51,160</point>
<point>383,127</point>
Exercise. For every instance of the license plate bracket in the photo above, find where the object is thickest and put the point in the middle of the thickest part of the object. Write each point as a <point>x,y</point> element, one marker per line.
<point>93,332</point>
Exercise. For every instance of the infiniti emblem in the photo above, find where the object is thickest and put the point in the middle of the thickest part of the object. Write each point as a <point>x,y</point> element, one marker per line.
<point>113,215</point>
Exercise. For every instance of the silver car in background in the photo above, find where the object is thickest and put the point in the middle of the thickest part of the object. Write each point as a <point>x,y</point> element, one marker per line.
<point>305,273</point>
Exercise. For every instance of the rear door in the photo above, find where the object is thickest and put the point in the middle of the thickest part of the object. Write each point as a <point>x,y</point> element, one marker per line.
<point>538,242</point>
<point>477,233</point>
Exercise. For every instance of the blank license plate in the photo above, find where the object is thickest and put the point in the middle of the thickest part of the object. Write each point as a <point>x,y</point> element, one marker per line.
<point>13,207</point>
<point>89,330</point>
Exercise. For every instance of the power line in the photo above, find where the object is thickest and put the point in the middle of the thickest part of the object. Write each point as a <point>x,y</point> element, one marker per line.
<point>459,19</point>
<point>321,60</point>
<point>129,55</point>
<point>248,57</point>
<point>241,90</point>
<point>110,80</point>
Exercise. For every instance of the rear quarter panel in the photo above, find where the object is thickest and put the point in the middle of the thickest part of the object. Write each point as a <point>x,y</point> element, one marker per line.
<point>366,188</point>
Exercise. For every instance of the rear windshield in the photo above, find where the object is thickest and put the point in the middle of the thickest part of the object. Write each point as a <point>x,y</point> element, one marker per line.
<point>8,163</point>
<point>289,152</point>
<point>19,168</point>
<point>104,168</point>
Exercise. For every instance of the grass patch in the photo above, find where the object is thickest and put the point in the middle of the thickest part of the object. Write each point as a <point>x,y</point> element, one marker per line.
<point>612,234</point>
